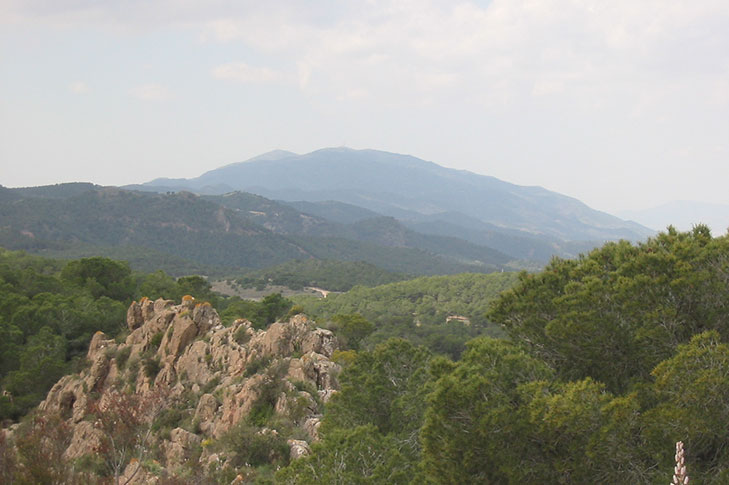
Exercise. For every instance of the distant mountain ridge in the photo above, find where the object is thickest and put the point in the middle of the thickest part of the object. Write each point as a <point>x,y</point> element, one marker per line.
<point>234,231</point>
<point>402,185</point>
<point>683,215</point>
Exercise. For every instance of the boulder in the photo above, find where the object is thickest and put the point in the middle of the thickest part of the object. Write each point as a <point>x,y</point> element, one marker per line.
<point>298,449</point>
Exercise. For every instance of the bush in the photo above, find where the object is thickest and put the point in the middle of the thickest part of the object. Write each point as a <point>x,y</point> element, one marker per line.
<point>151,367</point>
<point>242,336</point>
<point>122,356</point>
<point>255,447</point>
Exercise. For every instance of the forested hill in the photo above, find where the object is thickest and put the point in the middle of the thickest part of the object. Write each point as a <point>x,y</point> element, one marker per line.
<point>441,312</point>
<point>180,224</point>
<point>237,231</point>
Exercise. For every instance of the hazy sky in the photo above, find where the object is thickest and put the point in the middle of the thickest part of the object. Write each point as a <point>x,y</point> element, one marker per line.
<point>620,103</point>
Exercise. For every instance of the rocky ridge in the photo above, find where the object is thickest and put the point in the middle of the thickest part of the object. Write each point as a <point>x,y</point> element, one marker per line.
<point>205,378</point>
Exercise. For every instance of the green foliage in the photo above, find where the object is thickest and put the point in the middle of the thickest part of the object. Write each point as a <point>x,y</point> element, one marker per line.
<point>351,329</point>
<point>471,427</point>
<point>261,314</point>
<point>122,357</point>
<point>151,367</point>
<point>330,275</point>
<point>353,456</point>
<point>617,312</point>
<point>156,340</point>
<point>384,387</point>
<point>241,336</point>
<point>257,365</point>
<point>370,429</point>
<point>253,446</point>
<point>101,276</point>
<point>418,309</point>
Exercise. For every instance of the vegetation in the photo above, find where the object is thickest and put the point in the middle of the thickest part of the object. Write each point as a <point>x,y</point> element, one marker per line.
<point>330,275</point>
<point>612,358</point>
<point>440,312</point>
<point>188,233</point>
<point>50,309</point>
<point>604,364</point>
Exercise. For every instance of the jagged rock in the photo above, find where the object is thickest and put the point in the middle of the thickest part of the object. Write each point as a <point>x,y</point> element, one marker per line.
<point>192,364</point>
<point>311,425</point>
<point>236,406</point>
<point>98,343</point>
<point>322,371</point>
<point>205,412</point>
<point>135,474</point>
<point>98,372</point>
<point>184,348</point>
<point>298,448</point>
<point>321,341</point>
<point>134,316</point>
<point>67,398</point>
<point>180,447</point>
<point>86,439</point>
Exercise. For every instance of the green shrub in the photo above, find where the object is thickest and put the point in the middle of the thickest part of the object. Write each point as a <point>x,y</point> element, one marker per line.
<point>242,336</point>
<point>122,356</point>
<point>256,366</point>
<point>250,445</point>
<point>156,340</point>
<point>151,367</point>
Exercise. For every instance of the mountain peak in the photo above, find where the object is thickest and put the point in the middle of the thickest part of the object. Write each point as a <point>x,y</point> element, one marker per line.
<point>402,185</point>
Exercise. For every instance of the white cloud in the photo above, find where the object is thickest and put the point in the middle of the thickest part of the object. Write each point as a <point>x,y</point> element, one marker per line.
<point>151,92</point>
<point>242,72</point>
<point>78,87</point>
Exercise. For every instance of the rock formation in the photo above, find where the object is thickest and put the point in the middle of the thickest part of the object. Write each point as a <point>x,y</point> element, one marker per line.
<point>206,378</point>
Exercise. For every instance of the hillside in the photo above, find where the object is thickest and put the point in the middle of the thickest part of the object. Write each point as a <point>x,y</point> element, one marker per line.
<point>190,231</point>
<point>329,275</point>
<point>397,185</point>
<point>180,224</point>
<point>440,312</point>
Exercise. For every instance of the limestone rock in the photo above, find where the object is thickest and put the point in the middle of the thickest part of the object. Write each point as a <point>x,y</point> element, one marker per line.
<point>311,425</point>
<point>180,448</point>
<point>86,439</point>
<point>298,448</point>
<point>205,412</point>
<point>183,351</point>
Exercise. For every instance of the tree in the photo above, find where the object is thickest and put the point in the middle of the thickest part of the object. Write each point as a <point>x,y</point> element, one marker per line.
<point>473,431</point>
<point>101,276</point>
<point>352,329</point>
<point>357,456</point>
<point>617,312</point>
<point>126,425</point>
<point>693,392</point>
<point>40,444</point>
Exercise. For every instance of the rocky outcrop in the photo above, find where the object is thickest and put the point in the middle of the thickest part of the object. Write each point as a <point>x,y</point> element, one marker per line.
<point>212,377</point>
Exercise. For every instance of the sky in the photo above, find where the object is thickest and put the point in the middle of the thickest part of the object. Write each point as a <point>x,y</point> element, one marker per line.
<point>622,104</point>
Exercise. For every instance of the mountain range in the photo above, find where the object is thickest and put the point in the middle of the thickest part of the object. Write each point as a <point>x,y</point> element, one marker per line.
<point>235,231</point>
<point>411,190</point>
<point>396,212</point>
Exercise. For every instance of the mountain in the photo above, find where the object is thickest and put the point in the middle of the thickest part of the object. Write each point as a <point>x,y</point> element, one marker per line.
<point>378,230</point>
<point>400,185</point>
<point>180,224</point>
<point>234,231</point>
<point>683,215</point>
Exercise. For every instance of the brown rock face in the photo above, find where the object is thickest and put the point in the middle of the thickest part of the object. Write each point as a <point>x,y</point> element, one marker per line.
<point>209,375</point>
